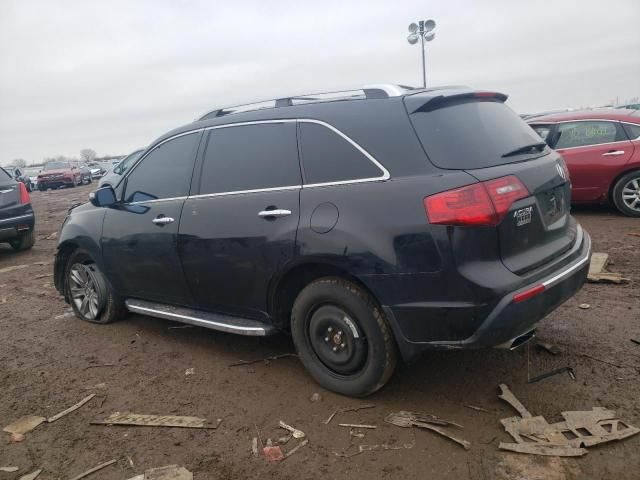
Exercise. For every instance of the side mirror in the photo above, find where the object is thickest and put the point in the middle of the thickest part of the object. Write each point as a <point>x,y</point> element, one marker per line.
<point>104,197</point>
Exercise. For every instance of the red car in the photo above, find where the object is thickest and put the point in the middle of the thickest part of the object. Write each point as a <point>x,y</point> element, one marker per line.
<point>59,173</point>
<point>602,152</point>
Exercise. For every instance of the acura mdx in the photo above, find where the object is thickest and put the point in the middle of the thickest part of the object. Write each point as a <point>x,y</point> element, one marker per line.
<point>370,225</point>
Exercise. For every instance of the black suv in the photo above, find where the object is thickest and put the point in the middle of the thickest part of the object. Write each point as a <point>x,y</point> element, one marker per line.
<point>364,223</point>
<point>17,220</point>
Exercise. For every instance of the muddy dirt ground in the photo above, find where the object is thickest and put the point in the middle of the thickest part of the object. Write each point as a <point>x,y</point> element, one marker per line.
<point>49,360</point>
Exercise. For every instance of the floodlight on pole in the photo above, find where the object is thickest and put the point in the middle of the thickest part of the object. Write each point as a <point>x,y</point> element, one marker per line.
<point>425,32</point>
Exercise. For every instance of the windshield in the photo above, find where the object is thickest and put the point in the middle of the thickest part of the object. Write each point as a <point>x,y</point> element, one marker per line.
<point>57,166</point>
<point>473,134</point>
<point>127,162</point>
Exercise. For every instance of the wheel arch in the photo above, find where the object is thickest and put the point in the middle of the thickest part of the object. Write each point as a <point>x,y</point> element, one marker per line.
<point>634,168</point>
<point>286,287</point>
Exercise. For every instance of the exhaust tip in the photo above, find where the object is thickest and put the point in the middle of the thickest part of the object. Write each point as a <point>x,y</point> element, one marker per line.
<point>518,341</point>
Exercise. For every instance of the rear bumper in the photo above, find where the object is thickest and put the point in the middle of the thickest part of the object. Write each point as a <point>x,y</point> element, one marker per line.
<point>500,322</point>
<point>11,227</point>
<point>55,183</point>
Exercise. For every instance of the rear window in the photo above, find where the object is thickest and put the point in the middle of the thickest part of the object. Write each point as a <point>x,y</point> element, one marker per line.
<point>472,134</point>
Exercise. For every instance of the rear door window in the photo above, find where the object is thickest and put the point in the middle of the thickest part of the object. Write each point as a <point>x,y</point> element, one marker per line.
<point>472,134</point>
<point>633,131</point>
<point>250,157</point>
<point>328,157</point>
<point>165,172</point>
<point>583,134</point>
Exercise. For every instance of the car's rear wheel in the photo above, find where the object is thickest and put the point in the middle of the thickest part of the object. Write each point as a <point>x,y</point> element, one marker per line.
<point>342,337</point>
<point>626,194</point>
<point>25,240</point>
<point>89,292</point>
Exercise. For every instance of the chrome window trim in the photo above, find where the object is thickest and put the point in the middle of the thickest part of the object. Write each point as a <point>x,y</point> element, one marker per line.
<point>385,173</point>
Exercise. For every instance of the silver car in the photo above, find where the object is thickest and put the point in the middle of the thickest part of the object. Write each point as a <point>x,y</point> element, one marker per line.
<point>112,177</point>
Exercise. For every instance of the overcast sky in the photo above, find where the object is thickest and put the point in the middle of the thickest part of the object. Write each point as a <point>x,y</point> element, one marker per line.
<point>112,75</point>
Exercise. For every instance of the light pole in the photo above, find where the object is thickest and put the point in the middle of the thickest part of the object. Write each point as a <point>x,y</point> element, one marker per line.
<point>425,31</point>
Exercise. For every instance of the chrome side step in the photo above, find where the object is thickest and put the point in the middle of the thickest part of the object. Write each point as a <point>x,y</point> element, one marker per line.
<point>214,321</point>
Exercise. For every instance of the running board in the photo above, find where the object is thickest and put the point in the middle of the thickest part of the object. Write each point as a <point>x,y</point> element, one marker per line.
<point>214,321</point>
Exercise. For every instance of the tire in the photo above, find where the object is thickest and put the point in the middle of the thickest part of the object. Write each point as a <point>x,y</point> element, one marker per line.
<point>25,241</point>
<point>342,337</point>
<point>82,275</point>
<point>626,194</point>
<point>42,187</point>
<point>89,180</point>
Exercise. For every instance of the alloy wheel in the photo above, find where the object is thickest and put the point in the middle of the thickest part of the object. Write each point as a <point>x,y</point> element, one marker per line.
<point>84,291</point>
<point>631,194</point>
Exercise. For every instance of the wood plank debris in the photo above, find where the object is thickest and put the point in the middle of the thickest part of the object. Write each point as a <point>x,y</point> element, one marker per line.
<point>32,475</point>
<point>479,409</point>
<point>170,472</point>
<point>597,270</point>
<point>72,408</point>
<point>408,420</point>
<point>296,448</point>
<point>580,429</point>
<point>9,469</point>
<point>24,424</point>
<point>355,425</point>
<point>347,409</point>
<point>94,469</point>
<point>294,431</point>
<point>137,419</point>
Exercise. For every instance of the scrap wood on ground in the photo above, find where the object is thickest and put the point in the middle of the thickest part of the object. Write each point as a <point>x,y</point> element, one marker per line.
<point>598,274</point>
<point>534,435</point>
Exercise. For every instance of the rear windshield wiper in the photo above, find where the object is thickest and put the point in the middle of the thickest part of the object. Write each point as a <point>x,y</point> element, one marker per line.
<point>526,149</point>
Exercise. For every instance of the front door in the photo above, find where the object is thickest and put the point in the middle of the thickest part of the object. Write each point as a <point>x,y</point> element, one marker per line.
<point>139,239</point>
<point>594,151</point>
<point>241,228</point>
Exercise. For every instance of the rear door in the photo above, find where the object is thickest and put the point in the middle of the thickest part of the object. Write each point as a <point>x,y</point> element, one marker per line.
<point>595,151</point>
<point>140,234</point>
<point>241,228</point>
<point>485,138</point>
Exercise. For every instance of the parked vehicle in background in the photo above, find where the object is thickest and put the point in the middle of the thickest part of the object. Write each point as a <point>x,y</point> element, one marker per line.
<point>630,106</point>
<point>97,171</point>
<point>17,219</point>
<point>602,151</point>
<point>32,173</point>
<point>58,173</point>
<point>20,175</point>
<point>112,177</point>
<point>364,223</point>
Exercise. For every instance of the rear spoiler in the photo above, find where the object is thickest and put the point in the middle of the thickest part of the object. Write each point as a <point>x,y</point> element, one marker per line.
<point>427,102</point>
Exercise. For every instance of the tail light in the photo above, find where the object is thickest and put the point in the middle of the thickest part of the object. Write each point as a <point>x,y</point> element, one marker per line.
<point>483,204</point>
<point>24,195</point>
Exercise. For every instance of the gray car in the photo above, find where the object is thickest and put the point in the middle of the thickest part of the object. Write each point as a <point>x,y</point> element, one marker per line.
<point>113,176</point>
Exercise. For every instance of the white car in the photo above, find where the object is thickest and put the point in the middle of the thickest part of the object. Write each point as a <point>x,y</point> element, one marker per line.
<point>112,177</point>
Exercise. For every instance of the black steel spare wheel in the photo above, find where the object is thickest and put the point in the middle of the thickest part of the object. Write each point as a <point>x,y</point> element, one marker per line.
<point>87,290</point>
<point>336,339</point>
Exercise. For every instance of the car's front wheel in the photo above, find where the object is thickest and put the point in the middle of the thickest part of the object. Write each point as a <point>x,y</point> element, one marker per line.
<point>342,337</point>
<point>89,291</point>
<point>626,194</point>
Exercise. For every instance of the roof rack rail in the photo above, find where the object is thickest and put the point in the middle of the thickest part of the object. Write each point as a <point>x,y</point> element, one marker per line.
<point>367,92</point>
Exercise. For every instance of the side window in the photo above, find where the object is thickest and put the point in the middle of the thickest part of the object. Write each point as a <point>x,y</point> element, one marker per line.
<point>582,134</point>
<point>633,131</point>
<point>327,157</point>
<point>543,131</point>
<point>250,157</point>
<point>165,172</point>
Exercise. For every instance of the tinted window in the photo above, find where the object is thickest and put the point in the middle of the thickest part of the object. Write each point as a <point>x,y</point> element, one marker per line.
<point>165,172</point>
<point>581,134</point>
<point>4,174</point>
<point>327,157</point>
<point>472,134</point>
<point>127,162</point>
<point>250,157</point>
<point>633,131</point>
<point>542,130</point>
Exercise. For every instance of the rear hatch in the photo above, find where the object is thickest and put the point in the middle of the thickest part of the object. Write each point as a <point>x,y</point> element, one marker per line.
<point>9,195</point>
<point>477,133</point>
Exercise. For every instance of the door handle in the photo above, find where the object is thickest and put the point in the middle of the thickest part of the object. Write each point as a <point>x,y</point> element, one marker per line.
<point>163,220</point>
<point>613,153</point>
<point>274,213</point>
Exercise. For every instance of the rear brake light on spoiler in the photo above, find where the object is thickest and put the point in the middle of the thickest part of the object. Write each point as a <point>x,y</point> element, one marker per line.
<point>480,204</point>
